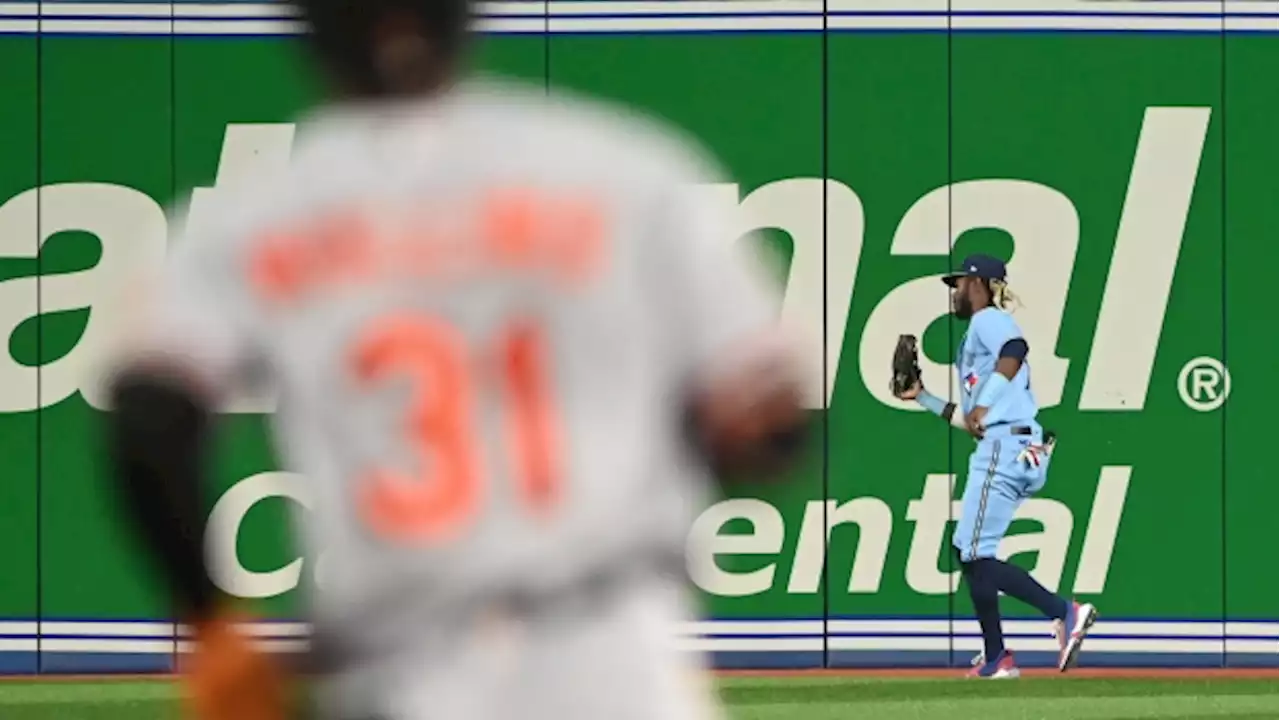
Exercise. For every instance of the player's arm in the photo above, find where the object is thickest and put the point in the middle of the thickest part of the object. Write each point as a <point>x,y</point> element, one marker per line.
<point>157,439</point>
<point>942,408</point>
<point>1000,335</point>
<point>157,436</point>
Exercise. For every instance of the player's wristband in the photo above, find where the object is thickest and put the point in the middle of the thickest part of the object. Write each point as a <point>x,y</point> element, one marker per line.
<point>993,389</point>
<point>932,403</point>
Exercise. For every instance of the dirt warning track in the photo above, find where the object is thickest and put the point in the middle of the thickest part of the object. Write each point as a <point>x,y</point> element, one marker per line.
<point>1108,673</point>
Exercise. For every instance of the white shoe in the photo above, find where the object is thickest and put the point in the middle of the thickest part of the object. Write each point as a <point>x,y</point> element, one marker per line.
<point>1072,632</point>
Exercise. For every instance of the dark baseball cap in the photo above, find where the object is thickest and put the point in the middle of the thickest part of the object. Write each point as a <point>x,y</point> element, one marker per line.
<point>979,266</point>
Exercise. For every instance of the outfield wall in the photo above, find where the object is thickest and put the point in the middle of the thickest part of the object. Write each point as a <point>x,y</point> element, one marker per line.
<point>1123,154</point>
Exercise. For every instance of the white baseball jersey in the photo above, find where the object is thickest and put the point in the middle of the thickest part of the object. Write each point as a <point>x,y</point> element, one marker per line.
<point>481,313</point>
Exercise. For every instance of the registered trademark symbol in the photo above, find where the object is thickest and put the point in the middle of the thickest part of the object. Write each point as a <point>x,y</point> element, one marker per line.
<point>1204,384</point>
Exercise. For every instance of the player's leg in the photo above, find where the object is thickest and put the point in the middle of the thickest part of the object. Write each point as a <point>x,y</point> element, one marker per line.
<point>986,605</point>
<point>1072,620</point>
<point>985,513</point>
<point>1018,583</point>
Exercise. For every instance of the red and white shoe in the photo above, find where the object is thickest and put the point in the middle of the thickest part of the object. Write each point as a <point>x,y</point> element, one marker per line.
<point>1072,632</point>
<point>1004,668</point>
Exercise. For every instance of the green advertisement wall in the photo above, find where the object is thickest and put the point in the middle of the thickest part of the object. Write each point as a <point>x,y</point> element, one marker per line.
<point>1122,156</point>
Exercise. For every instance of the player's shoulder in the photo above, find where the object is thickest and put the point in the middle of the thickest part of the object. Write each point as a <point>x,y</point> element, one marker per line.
<point>216,223</point>
<point>995,319</point>
<point>269,197</point>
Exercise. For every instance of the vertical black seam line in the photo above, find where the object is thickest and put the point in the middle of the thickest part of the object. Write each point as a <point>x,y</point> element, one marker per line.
<point>546,48</point>
<point>951,343</point>
<point>39,415</point>
<point>173,190</point>
<point>826,391</point>
<point>982,502</point>
<point>1223,290</point>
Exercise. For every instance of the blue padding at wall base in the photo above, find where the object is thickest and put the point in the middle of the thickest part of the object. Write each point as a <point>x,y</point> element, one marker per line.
<point>1253,660</point>
<point>767,660</point>
<point>19,663</point>
<point>75,662</point>
<point>888,659</point>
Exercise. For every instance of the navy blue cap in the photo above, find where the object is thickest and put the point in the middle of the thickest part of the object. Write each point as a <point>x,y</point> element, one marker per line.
<point>979,266</point>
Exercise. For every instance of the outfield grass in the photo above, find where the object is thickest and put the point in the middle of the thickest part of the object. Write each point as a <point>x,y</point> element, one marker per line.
<point>791,698</point>
<point>1028,698</point>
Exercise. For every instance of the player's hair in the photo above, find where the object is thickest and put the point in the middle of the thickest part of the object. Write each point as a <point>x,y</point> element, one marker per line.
<point>1001,296</point>
<point>342,34</point>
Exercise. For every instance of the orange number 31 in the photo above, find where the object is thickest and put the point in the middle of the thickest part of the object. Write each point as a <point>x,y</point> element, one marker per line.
<point>444,496</point>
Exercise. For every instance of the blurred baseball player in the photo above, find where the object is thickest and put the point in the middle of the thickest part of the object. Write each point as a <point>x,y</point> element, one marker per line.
<point>1009,464</point>
<point>506,346</point>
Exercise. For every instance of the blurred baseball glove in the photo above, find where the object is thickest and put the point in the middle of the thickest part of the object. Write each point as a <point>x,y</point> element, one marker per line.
<point>226,678</point>
<point>906,366</point>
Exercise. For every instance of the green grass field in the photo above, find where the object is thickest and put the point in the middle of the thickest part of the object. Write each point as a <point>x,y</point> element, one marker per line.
<point>785,698</point>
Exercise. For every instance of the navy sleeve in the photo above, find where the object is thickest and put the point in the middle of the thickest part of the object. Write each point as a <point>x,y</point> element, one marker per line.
<point>156,436</point>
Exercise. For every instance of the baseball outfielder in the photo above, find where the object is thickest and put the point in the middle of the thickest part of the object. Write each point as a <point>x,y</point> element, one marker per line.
<point>506,345</point>
<point>1009,464</point>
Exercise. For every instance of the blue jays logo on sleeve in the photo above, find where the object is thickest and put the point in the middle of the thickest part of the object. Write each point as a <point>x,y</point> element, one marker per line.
<point>970,382</point>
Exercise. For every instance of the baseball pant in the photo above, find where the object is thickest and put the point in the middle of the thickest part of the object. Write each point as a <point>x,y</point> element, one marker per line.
<point>1000,477</point>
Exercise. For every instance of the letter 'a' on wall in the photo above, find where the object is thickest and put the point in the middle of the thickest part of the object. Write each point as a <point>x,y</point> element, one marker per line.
<point>19,347</point>
<point>873,475</point>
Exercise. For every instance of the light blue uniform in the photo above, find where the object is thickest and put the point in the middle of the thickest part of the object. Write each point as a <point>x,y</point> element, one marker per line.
<point>998,479</point>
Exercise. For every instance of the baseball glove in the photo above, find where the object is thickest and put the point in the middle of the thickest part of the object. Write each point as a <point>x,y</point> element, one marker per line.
<point>906,365</point>
<point>226,678</point>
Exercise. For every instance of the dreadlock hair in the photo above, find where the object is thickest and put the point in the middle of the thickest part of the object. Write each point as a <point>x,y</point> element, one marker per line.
<point>1001,296</point>
<point>348,38</point>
